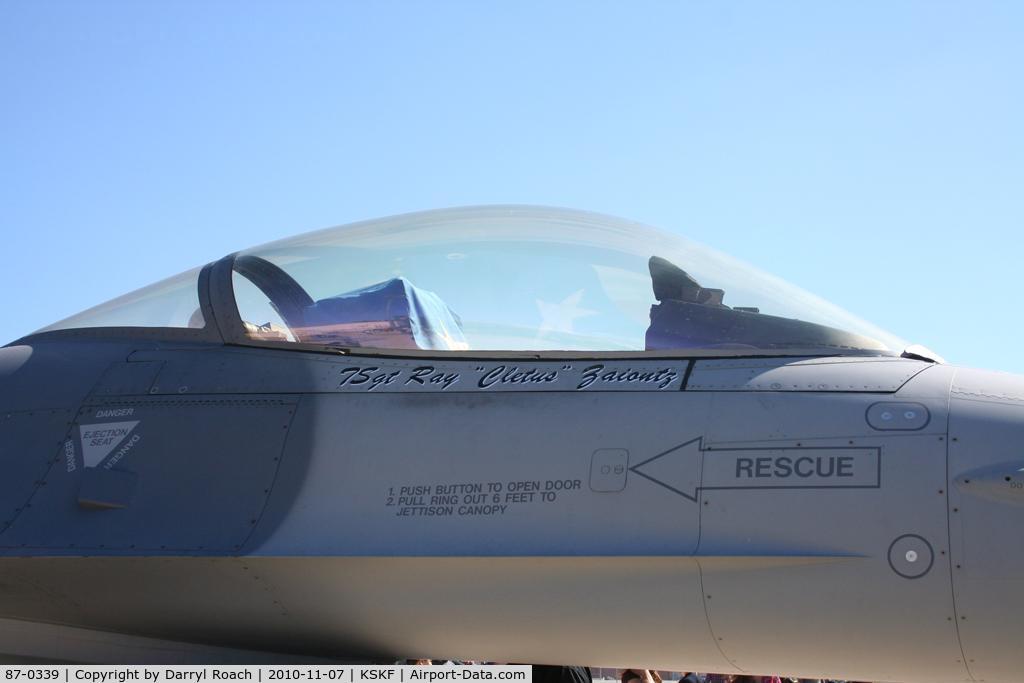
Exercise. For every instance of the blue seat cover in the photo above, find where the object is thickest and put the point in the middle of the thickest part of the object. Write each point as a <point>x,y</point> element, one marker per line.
<point>429,321</point>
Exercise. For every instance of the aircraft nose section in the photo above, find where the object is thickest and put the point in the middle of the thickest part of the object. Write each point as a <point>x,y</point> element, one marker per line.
<point>986,515</point>
<point>986,432</point>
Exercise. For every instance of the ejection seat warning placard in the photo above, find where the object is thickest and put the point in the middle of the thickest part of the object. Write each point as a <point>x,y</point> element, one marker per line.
<point>612,375</point>
<point>488,499</point>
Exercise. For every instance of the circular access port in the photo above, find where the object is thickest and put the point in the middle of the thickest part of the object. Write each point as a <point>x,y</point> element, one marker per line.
<point>911,556</point>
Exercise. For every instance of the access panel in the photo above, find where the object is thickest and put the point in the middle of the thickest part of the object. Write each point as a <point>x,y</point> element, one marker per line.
<point>986,520</point>
<point>30,445</point>
<point>159,475</point>
<point>812,514</point>
<point>488,513</point>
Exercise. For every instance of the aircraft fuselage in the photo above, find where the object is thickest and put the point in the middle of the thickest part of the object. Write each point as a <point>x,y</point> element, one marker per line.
<point>840,516</point>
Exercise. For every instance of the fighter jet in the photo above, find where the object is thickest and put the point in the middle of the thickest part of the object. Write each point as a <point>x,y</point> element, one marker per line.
<point>513,434</point>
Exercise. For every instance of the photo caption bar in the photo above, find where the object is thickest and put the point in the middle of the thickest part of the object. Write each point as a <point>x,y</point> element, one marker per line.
<point>348,673</point>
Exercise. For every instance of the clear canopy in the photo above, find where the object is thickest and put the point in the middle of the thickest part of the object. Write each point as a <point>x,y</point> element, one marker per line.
<point>527,279</point>
<point>173,302</point>
<point>503,278</point>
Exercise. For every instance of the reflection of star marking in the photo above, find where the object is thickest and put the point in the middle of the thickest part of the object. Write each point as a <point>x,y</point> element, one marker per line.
<point>559,317</point>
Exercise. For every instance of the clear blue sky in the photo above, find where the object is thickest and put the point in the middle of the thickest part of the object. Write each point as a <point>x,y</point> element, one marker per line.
<point>871,152</point>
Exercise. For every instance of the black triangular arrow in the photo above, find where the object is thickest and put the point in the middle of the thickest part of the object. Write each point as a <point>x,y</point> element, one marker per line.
<point>677,469</point>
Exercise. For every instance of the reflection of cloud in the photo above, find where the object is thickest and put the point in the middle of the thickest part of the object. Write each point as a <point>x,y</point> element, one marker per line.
<point>630,291</point>
<point>456,256</point>
<point>559,317</point>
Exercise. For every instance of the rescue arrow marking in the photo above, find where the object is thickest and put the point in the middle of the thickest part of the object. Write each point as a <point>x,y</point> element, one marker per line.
<point>690,467</point>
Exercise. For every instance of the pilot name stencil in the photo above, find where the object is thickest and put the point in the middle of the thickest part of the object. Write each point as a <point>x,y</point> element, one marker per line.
<point>476,499</point>
<point>509,376</point>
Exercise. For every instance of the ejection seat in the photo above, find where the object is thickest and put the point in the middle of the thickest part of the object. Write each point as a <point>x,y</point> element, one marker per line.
<point>394,314</point>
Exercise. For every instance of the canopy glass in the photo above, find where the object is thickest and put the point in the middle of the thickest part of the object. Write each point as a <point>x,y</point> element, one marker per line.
<point>528,279</point>
<point>503,278</point>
